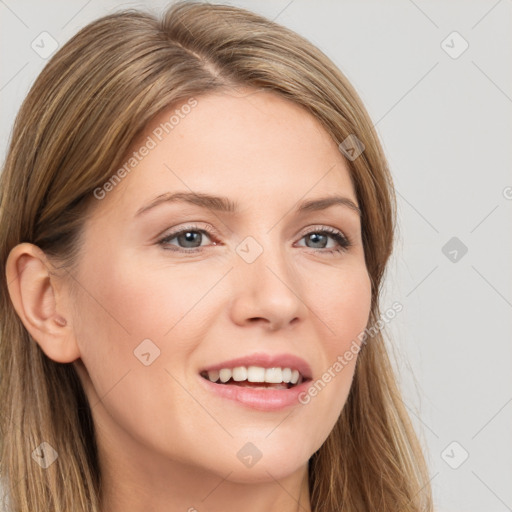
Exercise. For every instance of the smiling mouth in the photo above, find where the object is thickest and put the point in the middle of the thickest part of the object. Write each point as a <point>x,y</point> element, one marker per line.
<point>255,377</point>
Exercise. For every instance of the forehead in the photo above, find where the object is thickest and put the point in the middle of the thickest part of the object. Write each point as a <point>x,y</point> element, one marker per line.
<point>248,145</point>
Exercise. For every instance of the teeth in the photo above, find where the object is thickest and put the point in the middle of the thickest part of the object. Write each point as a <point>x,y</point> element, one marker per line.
<point>240,373</point>
<point>256,374</point>
<point>213,375</point>
<point>225,374</point>
<point>274,375</point>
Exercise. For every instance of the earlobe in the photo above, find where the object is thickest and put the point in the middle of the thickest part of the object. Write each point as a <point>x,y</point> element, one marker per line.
<point>35,298</point>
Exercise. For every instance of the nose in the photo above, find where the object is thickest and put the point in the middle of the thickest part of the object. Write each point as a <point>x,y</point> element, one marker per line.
<point>267,291</point>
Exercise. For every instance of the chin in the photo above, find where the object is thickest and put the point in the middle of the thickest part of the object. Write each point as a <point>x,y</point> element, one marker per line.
<point>254,461</point>
<point>269,471</point>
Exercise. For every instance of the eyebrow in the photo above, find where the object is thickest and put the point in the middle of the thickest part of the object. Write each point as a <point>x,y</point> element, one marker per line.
<point>225,205</point>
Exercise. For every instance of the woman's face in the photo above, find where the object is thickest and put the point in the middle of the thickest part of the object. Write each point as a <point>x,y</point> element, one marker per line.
<point>170,289</point>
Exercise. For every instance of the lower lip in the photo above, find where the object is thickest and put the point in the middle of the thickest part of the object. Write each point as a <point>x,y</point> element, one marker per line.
<point>262,399</point>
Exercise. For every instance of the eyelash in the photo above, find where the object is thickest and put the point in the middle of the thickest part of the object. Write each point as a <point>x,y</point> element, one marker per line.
<point>343,241</point>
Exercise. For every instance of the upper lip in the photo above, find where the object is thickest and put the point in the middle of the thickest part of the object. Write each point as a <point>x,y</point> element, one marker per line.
<point>267,361</point>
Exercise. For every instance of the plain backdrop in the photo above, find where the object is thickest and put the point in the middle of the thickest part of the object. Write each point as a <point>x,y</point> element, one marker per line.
<point>436,79</point>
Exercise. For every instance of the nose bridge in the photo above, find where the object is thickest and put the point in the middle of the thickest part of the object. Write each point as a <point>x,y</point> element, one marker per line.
<point>266,287</point>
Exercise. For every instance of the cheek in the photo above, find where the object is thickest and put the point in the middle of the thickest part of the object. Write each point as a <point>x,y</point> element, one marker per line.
<point>123,305</point>
<point>130,302</point>
<point>147,300</point>
<point>342,302</point>
<point>342,308</point>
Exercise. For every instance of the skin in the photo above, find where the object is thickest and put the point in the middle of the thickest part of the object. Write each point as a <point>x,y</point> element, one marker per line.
<point>165,442</point>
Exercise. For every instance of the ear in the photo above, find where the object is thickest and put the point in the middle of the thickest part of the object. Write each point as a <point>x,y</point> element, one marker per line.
<point>36,294</point>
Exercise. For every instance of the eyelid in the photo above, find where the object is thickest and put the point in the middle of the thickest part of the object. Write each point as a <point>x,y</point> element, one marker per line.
<point>189,227</point>
<point>322,227</point>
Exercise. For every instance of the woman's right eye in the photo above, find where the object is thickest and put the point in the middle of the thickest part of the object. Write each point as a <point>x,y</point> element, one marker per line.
<point>190,238</point>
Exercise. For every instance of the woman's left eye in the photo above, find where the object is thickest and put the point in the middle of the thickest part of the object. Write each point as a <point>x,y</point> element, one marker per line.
<point>190,240</point>
<point>342,243</point>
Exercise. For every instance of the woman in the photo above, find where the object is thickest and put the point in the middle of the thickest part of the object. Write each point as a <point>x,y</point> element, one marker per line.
<point>196,219</point>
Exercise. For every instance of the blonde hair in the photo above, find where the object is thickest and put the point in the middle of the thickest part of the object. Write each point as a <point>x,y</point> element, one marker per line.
<point>86,107</point>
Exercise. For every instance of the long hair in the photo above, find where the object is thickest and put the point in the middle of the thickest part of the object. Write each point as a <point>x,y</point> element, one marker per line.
<point>93,98</point>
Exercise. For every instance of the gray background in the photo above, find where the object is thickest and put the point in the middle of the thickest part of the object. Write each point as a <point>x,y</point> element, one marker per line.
<point>445,123</point>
